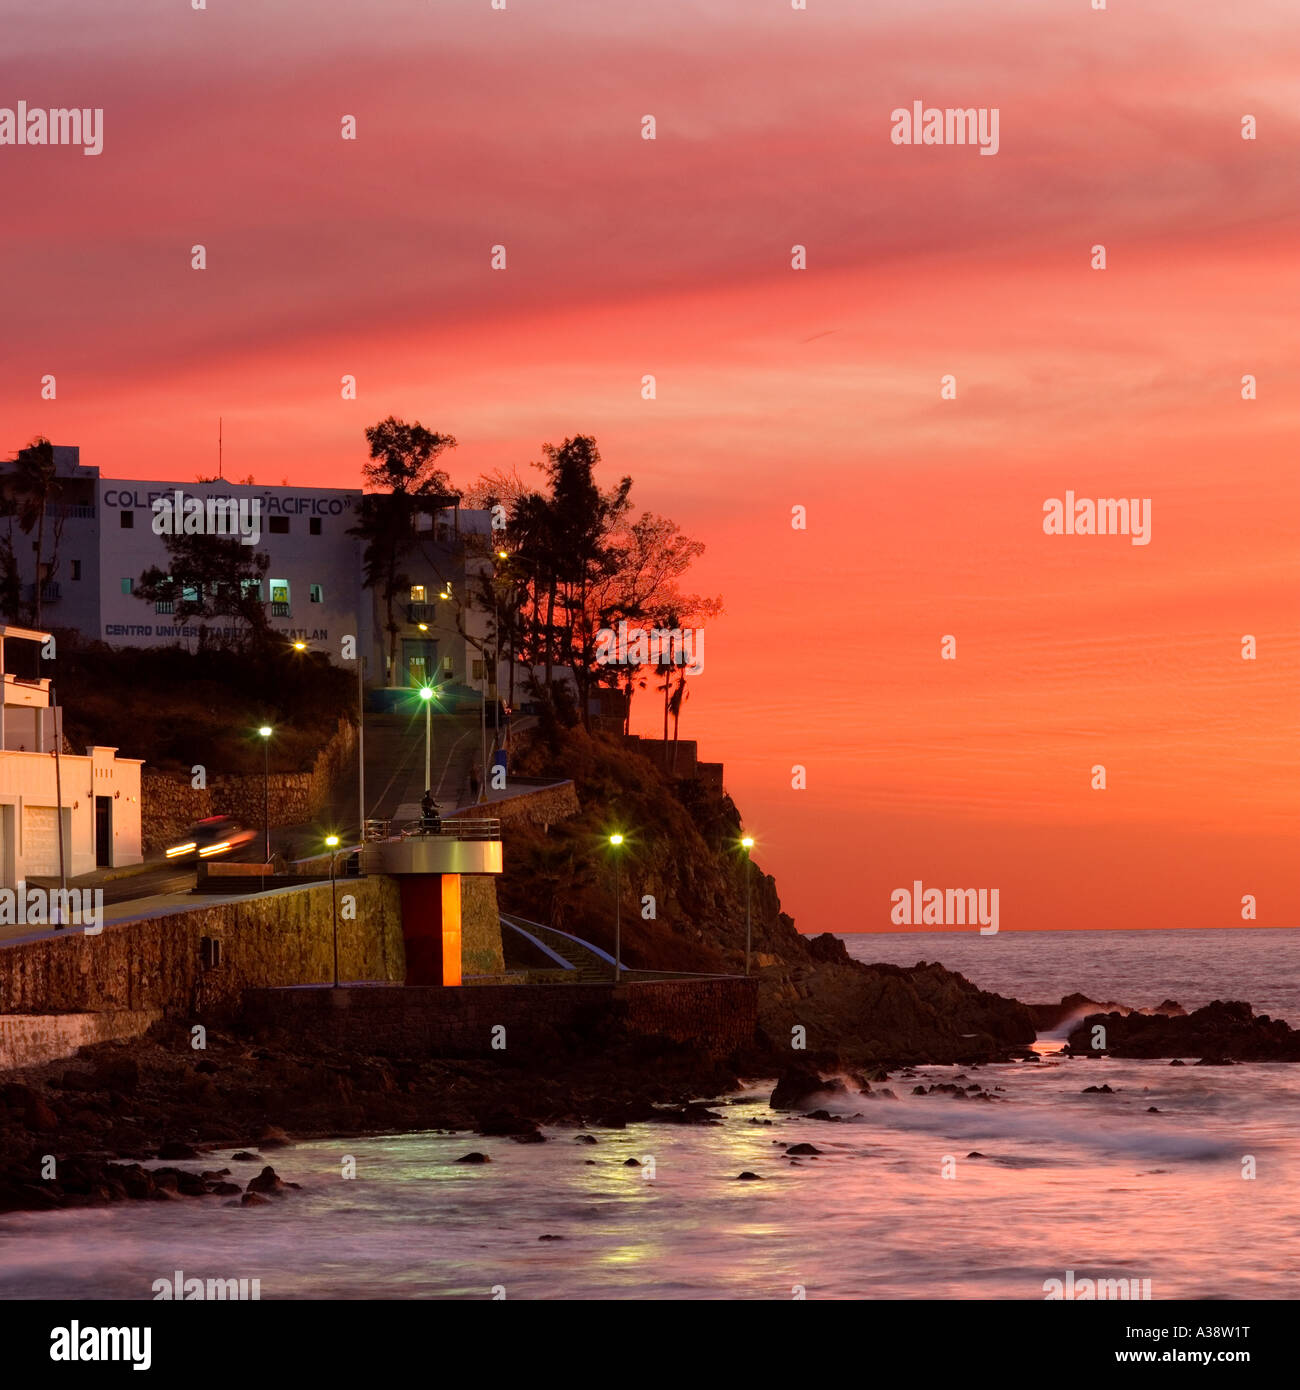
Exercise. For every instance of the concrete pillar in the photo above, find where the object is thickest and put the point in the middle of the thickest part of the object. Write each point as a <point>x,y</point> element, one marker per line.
<point>431,928</point>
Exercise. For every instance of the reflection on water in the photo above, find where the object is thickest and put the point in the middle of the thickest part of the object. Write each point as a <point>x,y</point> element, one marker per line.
<point>1090,1182</point>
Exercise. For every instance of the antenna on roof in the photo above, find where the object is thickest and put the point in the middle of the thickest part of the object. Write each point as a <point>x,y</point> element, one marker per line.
<point>220,474</point>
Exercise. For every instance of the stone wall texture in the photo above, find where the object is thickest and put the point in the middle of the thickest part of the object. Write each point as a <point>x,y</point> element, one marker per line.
<point>540,805</point>
<point>480,926</point>
<point>715,1016</point>
<point>26,1039</point>
<point>169,804</point>
<point>281,938</point>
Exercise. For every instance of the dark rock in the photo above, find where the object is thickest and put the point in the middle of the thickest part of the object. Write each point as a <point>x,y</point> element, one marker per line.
<point>1101,1090</point>
<point>582,1138</point>
<point>268,1180</point>
<point>176,1148</point>
<point>474,1157</point>
<point>631,1163</point>
<point>273,1138</point>
<point>225,1189</point>
<point>550,1237</point>
<point>254,1199</point>
<point>974,1153</point>
<point>747,1176</point>
<point>243,1156</point>
<point>1220,1032</point>
<point>532,1136</point>
<point>799,1084</point>
<point>1151,1110</point>
<point>803,1149</point>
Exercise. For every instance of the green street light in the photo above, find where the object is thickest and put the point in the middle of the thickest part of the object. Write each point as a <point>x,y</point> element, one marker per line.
<point>426,694</point>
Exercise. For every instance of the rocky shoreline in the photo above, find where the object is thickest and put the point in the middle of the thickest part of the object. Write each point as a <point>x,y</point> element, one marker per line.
<point>77,1132</point>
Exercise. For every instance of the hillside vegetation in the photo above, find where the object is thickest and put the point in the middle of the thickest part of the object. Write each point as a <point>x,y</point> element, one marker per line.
<point>682,851</point>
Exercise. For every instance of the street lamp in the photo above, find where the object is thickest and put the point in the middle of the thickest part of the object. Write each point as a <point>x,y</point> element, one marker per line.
<point>332,842</point>
<point>426,694</point>
<point>617,841</point>
<point>266,731</point>
<point>747,844</point>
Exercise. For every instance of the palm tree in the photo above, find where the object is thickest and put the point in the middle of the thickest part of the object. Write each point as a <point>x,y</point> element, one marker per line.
<point>36,485</point>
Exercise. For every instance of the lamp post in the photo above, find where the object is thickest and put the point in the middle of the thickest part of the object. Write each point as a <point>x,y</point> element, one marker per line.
<point>617,841</point>
<point>266,731</point>
<point>426,694</point>
<point>332,842</point>
<point>747,844</point>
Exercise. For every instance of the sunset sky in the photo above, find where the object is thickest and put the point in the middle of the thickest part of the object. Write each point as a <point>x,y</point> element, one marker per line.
<point>776,387</point>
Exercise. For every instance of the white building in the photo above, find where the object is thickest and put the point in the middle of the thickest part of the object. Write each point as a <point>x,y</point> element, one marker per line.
<point>98,793</point>
<point>100,538</point>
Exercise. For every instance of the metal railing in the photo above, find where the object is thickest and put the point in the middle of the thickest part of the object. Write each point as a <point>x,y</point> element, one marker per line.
<point>378,829</point>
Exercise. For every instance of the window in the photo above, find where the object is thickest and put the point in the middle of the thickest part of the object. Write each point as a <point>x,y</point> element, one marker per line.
<point>417,593</point>
<point>278,525</point>
<point>478,668</point>
<point>190,593</point>
<point>279,591</point>
<point>448,668</point>
<point>76,569</point>
<point>164,605</point>
<point>127,520</point>
<point>252,587</point>
<point>316,594</point>
<point>313,525</point>
<point>128,586</point>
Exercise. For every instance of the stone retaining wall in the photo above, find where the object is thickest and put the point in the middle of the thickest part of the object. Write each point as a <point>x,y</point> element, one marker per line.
<point>281,938</point>
<point>26,1039</point>
<point>716,1017</point>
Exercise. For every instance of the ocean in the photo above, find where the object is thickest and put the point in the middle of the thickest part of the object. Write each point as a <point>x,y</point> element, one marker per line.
<point>1137,968</point>
<point>1181,1176</point>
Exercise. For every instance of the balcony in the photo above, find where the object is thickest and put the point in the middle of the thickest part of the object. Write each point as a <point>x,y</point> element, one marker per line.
<point>459,847</point>
<point>50,592</point>
<point>280,610</point>
<point>422,613</point>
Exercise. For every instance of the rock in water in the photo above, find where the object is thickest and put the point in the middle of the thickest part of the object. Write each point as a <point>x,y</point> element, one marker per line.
<point>799,1085</point>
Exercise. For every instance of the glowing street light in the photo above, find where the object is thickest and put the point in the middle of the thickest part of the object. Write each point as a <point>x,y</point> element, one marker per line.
<point>747,844</point>
<point>616,840</point>
<point>300,646</point>
<point>426,694</point>
<point>265,733</point>
<point>332,843</point>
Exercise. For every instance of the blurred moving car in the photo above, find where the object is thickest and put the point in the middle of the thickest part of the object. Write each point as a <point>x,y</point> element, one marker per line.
<point>210,838</point>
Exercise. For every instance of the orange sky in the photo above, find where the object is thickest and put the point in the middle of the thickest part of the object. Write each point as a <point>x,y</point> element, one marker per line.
<point>775,387</point>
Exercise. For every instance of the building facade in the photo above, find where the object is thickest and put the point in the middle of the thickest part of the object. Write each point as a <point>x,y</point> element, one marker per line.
<point>99,537</point>
<point>98,793</point>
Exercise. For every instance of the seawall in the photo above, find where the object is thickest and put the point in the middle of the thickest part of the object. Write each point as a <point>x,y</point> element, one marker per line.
<point>162,963</point>
<point>716,1017</point>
